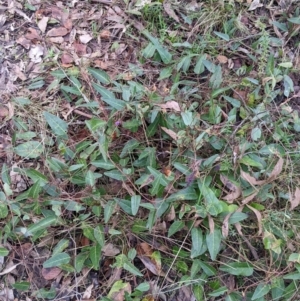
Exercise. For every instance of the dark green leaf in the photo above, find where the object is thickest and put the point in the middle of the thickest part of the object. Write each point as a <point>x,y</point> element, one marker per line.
<point>213,241</point>
<point>100,75</point>
<point>57,260</point>
<point>175,227</point>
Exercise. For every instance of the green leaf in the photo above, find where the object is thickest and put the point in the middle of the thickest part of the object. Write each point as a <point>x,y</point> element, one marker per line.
<point>132,269</point>
<point>213,241</point>
<point>94,124</point>
<point>61,246</point>
<point>42,224</point>
<point>237,268</point>
<point>34,190</point>
<point>3,251</point>
<point>135,203</point>
<point>256,133</point>
<point>143,287</point>
<point>197,241</point>
<point>36,176</point>
<point>3,210</point>
<point>70,89</point>
<point>223,36</point>
<point>108,210</point>
<point>175,227</point>
<point>79,261</point>
<point>234,102</point>
<point>219,292</point>
<point>115,174</point>
<point>95,256</point>
<point>166,57</point>
<point>294,257</point>
<point>129,146</point>
<point>295,20</point>
<point>187,118</point>
<point>186,194</point>
<point>213,205</point>
<point>149,51</point>
<point>250,162</point>
<point>107,165</point>
<point>57,260</point>
<point>90,179</point>
<point>58,126</point>
<point>36,85</point>
<point>99,235</point>
<point>109,98</point>
<point>22,286</point>
<point>199,68</point>
<point>100,75</point>
<point>260,291</point>
<point>209,270</point>
<point>30,149</point>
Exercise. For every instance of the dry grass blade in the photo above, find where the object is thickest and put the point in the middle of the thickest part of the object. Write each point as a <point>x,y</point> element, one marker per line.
<point>249,198</point>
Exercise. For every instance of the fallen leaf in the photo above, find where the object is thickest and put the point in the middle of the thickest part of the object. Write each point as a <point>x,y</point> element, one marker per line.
<point>35,53</point>
<point>295,199</point>
<point>110,250</point>
<point>3,112</point>
<point>118,290</point>
<point>169,10</point>
<point>24,42</point>
<point>222,59</point>
<point>236,190</point>
<point>66,58</point>
<point>259,219</point>
<point>249,198</point>
<point>88,292</point>
<point>171,133</point>
<point>80,49</point>
<point>57,40</point>
<point>276,170</point>
<point>32,34</point>
<point>255,4</point>
<point>105,34</point>
<point>85,38</point>
<point>225,225</point>
<point>42,24</point>
<point>172,105</point>
<point>50,273</point>
<point>57,32</point>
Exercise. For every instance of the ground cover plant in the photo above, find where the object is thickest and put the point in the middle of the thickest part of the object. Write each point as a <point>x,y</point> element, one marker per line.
<point>149,150</point>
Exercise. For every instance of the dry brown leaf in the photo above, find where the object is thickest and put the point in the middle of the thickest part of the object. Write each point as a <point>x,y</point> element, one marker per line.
<point>222,59</point>
<point>225,225</point>
<point>110,250</point>
<point>88,292</point>
<point>3,112</point>
<point>57,40</point>
<point>150,265</point>
<point>66,58</point>
<point>171,215</point>
<point>42,24</point>
<point>259,219</point>
<point>35,53</point>
<point>172,134</point>
<point>105,34</point>
<point>249,198</point>
<point>211,224</point>
<point>173,105</point>
<point>276,170</point>
<point>169,10</point>
<point>80,49</point>
<point>85,38</point>
<point>24,42</point>
<point>57,32</point>
<point>32,34</point>
<point>251,180</point>
<point>236,190</point>
<point>144,249</point>
<point>295,199</point>
<point>50,273</point>
<point>255,4</point>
